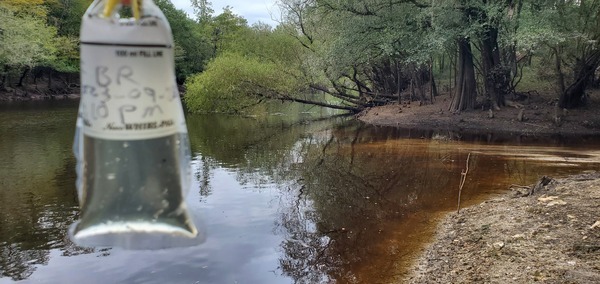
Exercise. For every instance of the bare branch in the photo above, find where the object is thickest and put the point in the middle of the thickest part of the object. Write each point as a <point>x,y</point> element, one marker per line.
<point>463,177</point>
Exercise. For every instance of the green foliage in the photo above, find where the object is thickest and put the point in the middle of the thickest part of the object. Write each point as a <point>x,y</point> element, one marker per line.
<point>253,64</point>
<point>266,44</point>
<point>355,51</point>
<point>41,33</point>
<point>34,8</point>
<point>66,15</point>
<point>25,40</point>
<point>192,48</point>
<point>538,29</point>
<point>354,33</point>
<point>223,30</point>
<point>46,33</point>
<point>203,10</point>
<point>569,30</point>
<point>359,47</point>
<point>233,82</point>
<point>67,56</point>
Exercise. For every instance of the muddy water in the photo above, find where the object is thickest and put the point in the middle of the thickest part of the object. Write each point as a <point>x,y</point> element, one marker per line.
<point>284,198</point>
<point>379,194</point>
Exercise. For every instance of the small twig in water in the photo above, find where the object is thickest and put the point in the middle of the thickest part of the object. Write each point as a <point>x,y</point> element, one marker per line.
<point>463,177</point>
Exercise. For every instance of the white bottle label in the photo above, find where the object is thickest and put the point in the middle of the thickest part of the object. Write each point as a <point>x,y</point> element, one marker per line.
<point>129,94</point>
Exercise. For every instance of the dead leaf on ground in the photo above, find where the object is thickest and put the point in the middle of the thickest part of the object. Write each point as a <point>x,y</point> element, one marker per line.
<point>556,202</point>
<point>547,198</point>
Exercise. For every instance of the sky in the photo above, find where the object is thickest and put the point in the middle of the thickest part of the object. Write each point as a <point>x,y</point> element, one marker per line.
<point>252,10</point>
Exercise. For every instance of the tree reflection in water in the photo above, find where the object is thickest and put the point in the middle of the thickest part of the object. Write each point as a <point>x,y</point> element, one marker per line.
<point>38,223</point>
<point>38,200</point>
<point>360,204</point>
<point>307,250</point>
<point>345,198</point>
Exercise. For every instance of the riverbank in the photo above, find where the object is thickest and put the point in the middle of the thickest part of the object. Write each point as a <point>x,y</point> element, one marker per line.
<point>34,96</point>
<point>549,236</point>
<point>533,115</point>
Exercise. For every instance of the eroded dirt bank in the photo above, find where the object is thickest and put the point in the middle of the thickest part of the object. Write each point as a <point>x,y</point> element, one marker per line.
<point>536,115</point>
<point>550,236</point>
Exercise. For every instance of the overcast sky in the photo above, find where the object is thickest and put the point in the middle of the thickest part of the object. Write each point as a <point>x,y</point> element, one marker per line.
<point>252,10</point>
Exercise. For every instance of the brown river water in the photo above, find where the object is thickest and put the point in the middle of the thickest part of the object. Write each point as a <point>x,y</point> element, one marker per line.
<point>283,198</point>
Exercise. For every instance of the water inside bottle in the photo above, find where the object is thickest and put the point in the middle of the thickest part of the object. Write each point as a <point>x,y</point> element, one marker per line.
<point>132,192</point>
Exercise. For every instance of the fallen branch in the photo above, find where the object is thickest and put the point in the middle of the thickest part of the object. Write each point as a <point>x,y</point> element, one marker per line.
<point>540,184</point>
<point>463,178</point>
<point>522,191</point>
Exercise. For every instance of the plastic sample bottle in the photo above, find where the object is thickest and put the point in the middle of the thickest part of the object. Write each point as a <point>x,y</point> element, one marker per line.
<point>131,142</point>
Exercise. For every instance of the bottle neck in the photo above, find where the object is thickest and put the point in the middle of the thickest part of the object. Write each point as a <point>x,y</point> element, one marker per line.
<point>112,10</point>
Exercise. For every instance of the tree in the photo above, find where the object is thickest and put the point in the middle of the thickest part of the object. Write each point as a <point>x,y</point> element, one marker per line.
<point>568,32</point>
<point>487,26</point>
<point>259,64</point>
<point>35,8</point>
<point>581,50</point>
<point>41,37</point>
<point>66,15</point>
<point>497,18</point>
<point>223,29</point>
<point>192,48</point>
<point>465,90</point>
<point>233,82</point>
<point>382,47</point>
<point>25,42</point>
<point>203,10</point>
<point>357,54</point>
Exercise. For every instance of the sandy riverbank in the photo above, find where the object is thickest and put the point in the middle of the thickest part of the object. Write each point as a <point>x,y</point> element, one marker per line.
<point>550,236</point>
<point>538,117</point>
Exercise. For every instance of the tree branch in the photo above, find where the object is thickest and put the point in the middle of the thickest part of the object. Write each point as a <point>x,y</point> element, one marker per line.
<point>463,177</point>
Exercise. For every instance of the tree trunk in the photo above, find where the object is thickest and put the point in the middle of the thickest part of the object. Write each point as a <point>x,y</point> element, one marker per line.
<point>418,75</point>
<point>412,90</point>
<point>560,77</point>
<point>465,90</point>
<point>434,89</point>
<point>385,78</point>
<point>496,76</point>
<point>431,84</point>
<point>398,90</point>
<point>453,63</point>
<point>574,95</point>
<point>23,76</point>
<point>4,77</point>
<point>50,79</point>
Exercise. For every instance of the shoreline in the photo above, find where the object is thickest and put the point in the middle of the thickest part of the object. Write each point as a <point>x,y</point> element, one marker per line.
<point>8,99</point>
<point>537,116</point>
<point>552,236</point>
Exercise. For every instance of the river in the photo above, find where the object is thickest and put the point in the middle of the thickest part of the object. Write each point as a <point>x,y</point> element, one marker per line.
<point>284,198</point>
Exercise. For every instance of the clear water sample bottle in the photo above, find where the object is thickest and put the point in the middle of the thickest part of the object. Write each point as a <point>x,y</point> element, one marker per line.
<point>131,143</point>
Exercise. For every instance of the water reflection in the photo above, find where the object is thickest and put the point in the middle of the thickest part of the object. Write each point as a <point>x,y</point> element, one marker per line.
<point>284,198</point>
<point>37,192</point>
<point>361,204</point>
